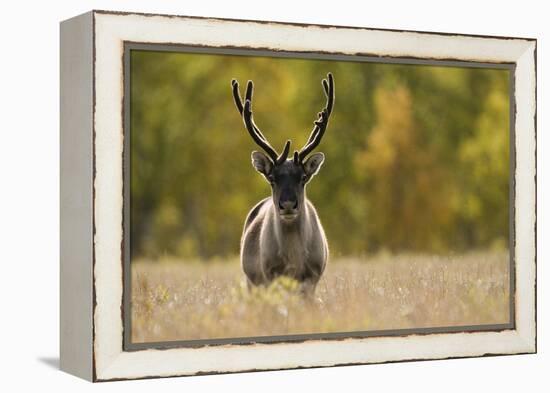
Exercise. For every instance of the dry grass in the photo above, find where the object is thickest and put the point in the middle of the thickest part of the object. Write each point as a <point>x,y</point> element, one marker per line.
<point>187,301</point>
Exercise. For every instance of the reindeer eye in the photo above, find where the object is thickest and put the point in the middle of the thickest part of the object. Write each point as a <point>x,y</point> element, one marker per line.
<point>270,178</point>
<point>304,177</point>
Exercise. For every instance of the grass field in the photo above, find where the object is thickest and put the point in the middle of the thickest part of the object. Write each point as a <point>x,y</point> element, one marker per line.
<point>176,300</point>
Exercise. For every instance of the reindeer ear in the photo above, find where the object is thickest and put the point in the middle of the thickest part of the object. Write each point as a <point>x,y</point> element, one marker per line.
<point>261,163</point>
<point>313,163</point>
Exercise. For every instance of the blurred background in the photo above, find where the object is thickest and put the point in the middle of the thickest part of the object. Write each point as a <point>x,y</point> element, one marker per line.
<point>417,157</point>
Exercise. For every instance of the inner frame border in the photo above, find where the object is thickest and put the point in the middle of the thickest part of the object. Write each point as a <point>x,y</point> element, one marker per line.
<point>128,46</point>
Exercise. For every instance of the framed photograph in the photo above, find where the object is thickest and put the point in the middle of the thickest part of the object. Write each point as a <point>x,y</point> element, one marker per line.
<point>189,245</point>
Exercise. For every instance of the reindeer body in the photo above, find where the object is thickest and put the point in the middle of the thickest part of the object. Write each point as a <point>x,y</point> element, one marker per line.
<point>270,248</point>
<point>282,234</point>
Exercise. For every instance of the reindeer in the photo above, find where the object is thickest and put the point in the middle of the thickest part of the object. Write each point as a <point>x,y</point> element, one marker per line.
<point>282,234</point>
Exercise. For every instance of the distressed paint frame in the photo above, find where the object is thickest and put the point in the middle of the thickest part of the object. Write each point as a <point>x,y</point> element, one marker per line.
<point>109,360</point>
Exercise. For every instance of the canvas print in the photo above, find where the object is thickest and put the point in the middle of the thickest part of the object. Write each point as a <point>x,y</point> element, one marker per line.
<point>286,196</point>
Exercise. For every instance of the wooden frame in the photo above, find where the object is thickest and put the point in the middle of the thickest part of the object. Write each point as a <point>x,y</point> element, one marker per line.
<point>92,195</point>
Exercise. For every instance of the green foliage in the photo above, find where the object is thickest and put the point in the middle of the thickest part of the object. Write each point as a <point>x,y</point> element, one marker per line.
<point>417,156</point>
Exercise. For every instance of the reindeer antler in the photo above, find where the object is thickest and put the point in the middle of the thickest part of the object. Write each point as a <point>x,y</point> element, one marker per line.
<point>321,123</point>
<point>246,112</point>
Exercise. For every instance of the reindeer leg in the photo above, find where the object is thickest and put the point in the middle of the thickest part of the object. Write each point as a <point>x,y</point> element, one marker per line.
<point>307,288</point>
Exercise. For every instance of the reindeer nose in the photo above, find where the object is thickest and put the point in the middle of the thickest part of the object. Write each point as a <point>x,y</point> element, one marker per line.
<point>288,205</point>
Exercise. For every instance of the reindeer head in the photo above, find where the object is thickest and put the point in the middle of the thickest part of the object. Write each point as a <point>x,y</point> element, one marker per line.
<point>287,176</point>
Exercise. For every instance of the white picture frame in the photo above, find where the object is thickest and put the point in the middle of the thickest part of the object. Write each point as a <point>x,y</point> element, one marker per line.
<point>92,194</point>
